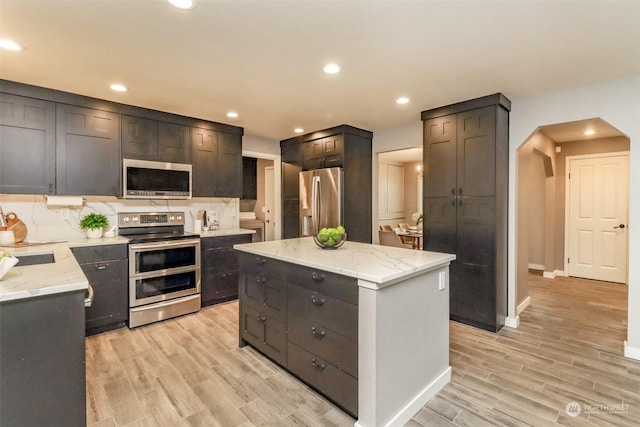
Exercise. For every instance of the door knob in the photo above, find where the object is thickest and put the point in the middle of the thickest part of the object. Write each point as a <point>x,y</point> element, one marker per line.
<point>619,226</point>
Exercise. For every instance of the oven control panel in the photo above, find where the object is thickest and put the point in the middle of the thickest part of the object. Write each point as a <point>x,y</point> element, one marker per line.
<point>149,219</point>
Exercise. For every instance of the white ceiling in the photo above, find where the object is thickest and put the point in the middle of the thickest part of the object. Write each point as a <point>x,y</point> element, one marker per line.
<point>263,59</point>
<point>574,131</point>
<point>402,156</point>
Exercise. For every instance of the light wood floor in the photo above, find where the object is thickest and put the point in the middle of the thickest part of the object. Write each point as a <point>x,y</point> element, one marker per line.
<point>189,371</point>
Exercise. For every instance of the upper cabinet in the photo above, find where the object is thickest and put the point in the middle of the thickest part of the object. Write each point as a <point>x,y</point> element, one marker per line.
<point>54,142</point>
<point>322,153</point>
<point>249,178</point>
<point>149,139</point>
<point>27,145</point>
<point>217,163</point>
<point>87,151</point>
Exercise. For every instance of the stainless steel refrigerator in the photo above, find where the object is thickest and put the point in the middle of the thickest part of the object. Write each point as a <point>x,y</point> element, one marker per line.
<point>321,200</point>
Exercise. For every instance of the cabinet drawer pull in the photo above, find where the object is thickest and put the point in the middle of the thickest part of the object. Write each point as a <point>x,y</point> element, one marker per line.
<point>101,266</point>
<point>317,365</point>
<point>316,333</point>
<point>318,277</point>
<point>261,280</point>
<point>261,261</point>
<point>319,302</point>
<point>261,318</point>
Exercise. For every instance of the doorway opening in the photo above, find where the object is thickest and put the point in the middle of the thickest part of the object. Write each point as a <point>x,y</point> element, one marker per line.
<point>543,205</point>
<point>260,204</point>
<point>399,188</point>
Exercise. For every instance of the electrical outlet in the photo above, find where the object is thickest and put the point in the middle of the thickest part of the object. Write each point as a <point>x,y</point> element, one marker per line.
<point>442,280</point>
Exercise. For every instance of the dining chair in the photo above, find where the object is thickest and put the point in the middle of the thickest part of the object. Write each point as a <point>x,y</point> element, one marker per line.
<point>390,238</point>
<point>386,228</point>
<point>403,226</point>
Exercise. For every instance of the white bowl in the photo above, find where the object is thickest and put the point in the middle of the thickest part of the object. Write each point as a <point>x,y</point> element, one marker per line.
<point>6,263</point>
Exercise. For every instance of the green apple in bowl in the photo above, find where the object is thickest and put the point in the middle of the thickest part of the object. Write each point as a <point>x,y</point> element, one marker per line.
<point>330,238</point>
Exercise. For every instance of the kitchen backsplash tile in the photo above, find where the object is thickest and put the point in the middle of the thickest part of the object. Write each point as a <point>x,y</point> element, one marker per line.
<point>59,222</point>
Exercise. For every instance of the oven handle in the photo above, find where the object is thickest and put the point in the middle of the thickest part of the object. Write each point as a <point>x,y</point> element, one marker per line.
<point>165,272</point>
<point>163,245</point>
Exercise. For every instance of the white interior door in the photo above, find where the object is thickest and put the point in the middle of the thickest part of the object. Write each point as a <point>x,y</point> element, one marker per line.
<point>598,212</point>
<point>269,204</point>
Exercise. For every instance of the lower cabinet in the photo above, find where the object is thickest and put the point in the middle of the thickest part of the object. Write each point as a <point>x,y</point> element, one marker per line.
<point>106,268</point>
<point>306,320</point>
<point>42,361</point>
<point>219,278</point>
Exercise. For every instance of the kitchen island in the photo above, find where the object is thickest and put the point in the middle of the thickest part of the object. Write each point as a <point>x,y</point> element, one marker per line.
<point>366,325</point>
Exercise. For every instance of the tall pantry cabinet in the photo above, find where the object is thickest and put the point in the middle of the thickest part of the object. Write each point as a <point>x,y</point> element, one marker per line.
<point>466,159</point>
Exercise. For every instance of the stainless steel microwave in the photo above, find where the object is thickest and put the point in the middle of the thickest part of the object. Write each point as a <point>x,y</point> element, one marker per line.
<point>144,179</point>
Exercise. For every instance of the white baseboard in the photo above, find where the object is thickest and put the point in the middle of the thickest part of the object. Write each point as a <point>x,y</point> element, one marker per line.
<point>549,274</point>
<point>405,414</point>
<point>560,273</point>
<point>631,352</point>
<point>523,305</point>
<point>536,267</point>
<point>512,322</point>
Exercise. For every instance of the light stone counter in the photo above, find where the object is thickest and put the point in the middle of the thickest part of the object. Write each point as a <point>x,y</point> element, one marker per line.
<point>226,232</point>
<point>403,320</point>
<point>63,275</point>
<point>377,266</point>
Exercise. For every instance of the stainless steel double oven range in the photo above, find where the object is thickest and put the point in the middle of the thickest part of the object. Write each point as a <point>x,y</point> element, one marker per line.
<point>164,266</point>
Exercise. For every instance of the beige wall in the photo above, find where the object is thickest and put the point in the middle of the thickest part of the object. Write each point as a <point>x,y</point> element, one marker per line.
<point>577,148</point>
<point>410,191</point>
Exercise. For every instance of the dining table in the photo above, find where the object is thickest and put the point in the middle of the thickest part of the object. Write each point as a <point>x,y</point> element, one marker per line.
<point>414,236</point>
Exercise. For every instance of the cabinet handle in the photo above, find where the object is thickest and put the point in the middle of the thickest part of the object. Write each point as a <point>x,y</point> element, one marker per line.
<point>319,302</point>
<point>261,261</point>
<point>318,277</point>
<point>261,280</point>
<point>317,365</point>
<point>316,333</point>
<point>460,191</point>
<point>101,266</point>
<point>453,191</point>
<point>260,318</point>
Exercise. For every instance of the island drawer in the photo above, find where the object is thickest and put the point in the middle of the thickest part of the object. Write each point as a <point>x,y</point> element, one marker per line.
<point>264,293</point>
<point>213,242</point>
<point>86,254</point>
<point>331,284</point>
<point>105,272</point>
<point>325,310</point>
<point>255,264</point>
<point>264,333</point>
<point>335,384</point>
<point>326,343</point>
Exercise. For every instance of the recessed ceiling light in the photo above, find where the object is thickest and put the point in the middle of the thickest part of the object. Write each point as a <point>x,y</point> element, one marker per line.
<point>402,100</point>
<point>10,45</point>
<point>118,87</point>
<point>331,68</point>
<point>183,4</point>
<point>589,132</point>
<point>298,130</point>
<point>232,114</point>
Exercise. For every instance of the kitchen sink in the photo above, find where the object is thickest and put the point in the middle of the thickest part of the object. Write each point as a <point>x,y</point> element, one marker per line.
<point>35,259</point>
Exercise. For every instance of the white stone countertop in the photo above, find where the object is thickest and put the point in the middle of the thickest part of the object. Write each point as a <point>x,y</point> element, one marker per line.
<point>226,232</point>
<point>381,265</point>
<point>63,275</point>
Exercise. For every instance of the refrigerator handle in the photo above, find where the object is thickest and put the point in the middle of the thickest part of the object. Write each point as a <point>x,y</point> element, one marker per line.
<point>315,203</point>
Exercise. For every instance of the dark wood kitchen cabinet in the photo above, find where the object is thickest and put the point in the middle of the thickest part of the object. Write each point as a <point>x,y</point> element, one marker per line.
<point>304,319</point>
<point>87,151</point>
<point>220,268</point>
<point>217,163</point>
<point>342,146</point>
<point>465,203</point>
<point>155,140</point>
<point>263,305</point>
<point>249,178</point>
<point>106,268</point>
<point>42,361</point>
<point>27,145</point>
<point>291,158</point>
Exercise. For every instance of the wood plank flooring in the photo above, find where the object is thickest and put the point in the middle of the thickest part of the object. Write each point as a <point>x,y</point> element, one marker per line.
<point>190,372</point>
